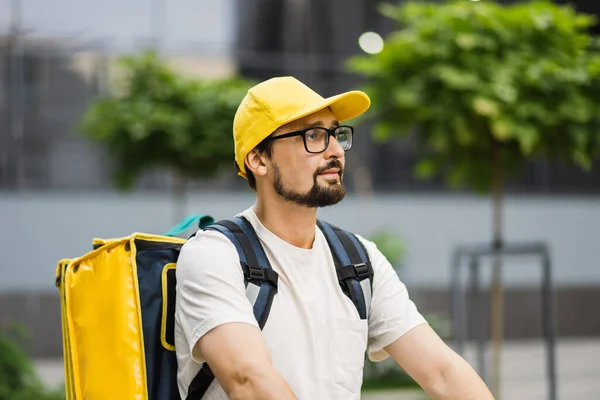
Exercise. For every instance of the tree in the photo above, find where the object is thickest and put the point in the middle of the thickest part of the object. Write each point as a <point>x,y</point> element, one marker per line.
<point>18,378</point>
<point>155,117</point>
<point>488,87</point>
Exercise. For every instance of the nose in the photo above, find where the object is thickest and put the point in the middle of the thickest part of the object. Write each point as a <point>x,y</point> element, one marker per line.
<point>334,150</point>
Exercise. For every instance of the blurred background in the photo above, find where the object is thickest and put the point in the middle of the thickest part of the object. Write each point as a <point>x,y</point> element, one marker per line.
<point>57,191</point>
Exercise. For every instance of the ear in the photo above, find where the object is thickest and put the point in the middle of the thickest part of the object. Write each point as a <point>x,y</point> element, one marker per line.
<point>256,162</point>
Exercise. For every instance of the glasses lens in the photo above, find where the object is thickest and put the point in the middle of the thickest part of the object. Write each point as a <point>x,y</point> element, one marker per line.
<point>316,140</point>
<point>344,137</point>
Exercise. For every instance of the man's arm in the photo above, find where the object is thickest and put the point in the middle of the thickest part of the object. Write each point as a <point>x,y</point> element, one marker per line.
<point>240,360</point>
<point>218,322</point>
<point>442,373</point>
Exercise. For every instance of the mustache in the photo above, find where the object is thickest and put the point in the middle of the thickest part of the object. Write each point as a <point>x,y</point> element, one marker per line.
<point>331,164</point>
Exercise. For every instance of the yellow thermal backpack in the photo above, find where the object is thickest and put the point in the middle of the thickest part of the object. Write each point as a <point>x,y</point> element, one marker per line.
<point>118,307</point>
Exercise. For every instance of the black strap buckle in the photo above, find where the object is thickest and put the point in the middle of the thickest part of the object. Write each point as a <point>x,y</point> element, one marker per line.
<point>253,273</point>
<point>260,274</point>
<point>363,271</point>
<point>359,271</point>
<point>256,273</point>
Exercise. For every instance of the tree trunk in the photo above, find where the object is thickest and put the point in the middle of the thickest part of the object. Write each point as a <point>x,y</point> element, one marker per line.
<point>497,296</point>
<point>179,192</point>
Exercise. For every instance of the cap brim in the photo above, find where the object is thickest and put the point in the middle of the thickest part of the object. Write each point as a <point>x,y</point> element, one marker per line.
<point>344,106</point>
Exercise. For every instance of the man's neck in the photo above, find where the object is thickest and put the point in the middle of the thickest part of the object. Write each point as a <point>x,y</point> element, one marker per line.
<point>290,222</point>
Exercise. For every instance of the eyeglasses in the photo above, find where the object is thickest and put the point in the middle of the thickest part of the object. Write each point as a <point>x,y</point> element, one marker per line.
<point>316,140</point>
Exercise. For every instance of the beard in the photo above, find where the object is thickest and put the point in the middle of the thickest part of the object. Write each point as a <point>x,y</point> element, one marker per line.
<point>319,195</point>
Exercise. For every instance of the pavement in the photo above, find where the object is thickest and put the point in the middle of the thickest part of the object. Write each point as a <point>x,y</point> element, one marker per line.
<point>523,372</point>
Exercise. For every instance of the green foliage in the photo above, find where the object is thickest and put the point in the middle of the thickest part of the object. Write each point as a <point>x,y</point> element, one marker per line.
<point>472,76</point>
<point>389,244</point>
<point>18,380</point>
<point>158,118</point>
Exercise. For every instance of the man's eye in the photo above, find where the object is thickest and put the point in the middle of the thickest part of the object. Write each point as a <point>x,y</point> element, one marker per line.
<point>312,135</point>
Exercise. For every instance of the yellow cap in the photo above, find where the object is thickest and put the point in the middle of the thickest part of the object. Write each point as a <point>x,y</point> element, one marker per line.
<point>278,101</point>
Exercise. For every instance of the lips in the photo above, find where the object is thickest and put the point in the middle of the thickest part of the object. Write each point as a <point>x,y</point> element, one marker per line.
<point>332,170</point>
<point>331,174</point>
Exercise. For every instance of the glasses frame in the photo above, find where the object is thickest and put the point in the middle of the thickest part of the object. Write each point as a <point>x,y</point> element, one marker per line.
<point>302,133</point>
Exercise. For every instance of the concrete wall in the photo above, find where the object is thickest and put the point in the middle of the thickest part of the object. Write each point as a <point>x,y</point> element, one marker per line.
<point>40,228</point>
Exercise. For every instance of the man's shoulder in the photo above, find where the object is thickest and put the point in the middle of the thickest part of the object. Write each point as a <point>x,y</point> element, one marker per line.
<point>205,250</point>
<point>204,238</point>
<point>209,244</point>
<point>367,244</point>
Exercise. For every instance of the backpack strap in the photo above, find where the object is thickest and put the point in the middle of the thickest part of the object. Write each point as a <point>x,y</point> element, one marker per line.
<point>260,280</point>
<point>353,267</point>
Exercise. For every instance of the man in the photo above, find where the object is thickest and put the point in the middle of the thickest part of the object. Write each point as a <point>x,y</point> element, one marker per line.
<point>290,144</point>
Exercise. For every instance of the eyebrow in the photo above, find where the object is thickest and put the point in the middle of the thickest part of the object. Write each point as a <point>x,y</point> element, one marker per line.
<point>320,124</point>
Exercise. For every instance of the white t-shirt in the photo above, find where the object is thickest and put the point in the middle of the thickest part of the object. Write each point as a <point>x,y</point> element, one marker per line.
<point>316,338</point>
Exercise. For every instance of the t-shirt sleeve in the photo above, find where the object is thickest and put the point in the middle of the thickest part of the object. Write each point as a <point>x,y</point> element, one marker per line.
<point>210,287</point>
<point>392,313</point>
